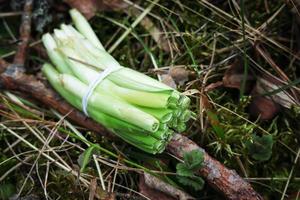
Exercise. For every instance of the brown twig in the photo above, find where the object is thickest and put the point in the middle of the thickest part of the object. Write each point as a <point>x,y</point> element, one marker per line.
<point>271,62</point>
<point>25,30</point>
<point>10,14</point>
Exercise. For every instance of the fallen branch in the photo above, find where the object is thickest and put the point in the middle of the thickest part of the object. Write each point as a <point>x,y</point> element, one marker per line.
<point>226,181</point>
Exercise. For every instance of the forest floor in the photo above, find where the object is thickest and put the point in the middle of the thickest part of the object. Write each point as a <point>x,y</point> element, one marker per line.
<point>238,61</point>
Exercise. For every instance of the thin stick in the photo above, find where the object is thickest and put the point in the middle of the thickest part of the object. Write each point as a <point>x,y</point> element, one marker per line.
<point>290,175</point>
<point>10,14</point>
<point>25,30</point>
<point>99,172</point>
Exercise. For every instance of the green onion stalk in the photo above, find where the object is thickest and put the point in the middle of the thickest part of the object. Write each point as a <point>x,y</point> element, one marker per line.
<point>139,109</point>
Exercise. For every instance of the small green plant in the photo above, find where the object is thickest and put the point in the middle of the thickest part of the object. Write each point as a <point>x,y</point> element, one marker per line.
<point>85,158</point>
<point>193,161</point>
<point>260,148</point>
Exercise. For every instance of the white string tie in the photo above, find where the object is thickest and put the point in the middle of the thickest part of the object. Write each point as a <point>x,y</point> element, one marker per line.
<point>100,77</point>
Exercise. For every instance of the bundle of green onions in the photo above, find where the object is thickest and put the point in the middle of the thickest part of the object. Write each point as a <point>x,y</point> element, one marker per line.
<point>139,109</point>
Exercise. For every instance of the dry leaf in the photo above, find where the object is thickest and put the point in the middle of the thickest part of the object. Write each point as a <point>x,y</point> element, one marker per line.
<point>213,86</point>
<point>264,108</point>
<point>234,76</point>
<point>90,7</point>
<point>176,75</point>
<point>265,104</point>
<point>168,80</point>
<point>87,7</point>
<point>179,74</point>
<point>204,103</point>
<point>267,84</point>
